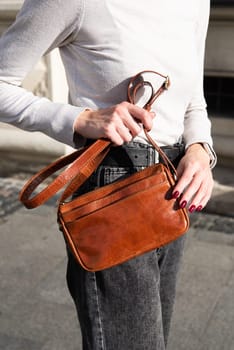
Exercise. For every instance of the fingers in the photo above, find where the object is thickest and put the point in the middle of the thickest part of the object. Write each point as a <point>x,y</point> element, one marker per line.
<point>128,120</point>
<point>124,120</point>
<point>142,116</point>
<point>195,181</point>
<point>197,192</point>
<point>120,123</point>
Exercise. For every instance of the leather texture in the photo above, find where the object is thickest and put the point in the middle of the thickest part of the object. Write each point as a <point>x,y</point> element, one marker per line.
<point>119,221</point>
<point>122,220</point>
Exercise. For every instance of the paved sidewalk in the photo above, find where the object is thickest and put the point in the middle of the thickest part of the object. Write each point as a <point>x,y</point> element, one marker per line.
<point>36,312</point>
<point>204,311</point>
<point>222,201</point>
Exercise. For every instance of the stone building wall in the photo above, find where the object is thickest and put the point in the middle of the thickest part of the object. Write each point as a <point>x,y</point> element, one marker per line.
<point>219,63</point>
<point>46,79</point>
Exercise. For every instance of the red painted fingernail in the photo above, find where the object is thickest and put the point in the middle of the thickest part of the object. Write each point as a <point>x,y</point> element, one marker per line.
<point>192,208</point>
<point>199,208</point>
<point>183,204</point>
<point>175,194</point>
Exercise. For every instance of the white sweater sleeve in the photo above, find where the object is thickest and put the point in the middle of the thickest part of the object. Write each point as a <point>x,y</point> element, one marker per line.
<point>39,27</point>
<point>197,126</point>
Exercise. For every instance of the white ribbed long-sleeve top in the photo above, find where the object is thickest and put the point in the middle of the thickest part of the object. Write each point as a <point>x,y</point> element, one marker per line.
<point>102,44</point>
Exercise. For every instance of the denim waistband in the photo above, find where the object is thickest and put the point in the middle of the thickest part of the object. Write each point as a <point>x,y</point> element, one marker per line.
<point>122,161</point>
<point>138,154</point>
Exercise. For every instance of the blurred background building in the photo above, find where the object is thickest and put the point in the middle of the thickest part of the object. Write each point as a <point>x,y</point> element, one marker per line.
<point>219,78</point>
<point>48,79</point>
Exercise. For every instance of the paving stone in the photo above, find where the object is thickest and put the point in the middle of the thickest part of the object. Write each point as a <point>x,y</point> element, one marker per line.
<point>9,190</point>
<point>29,251</point>
<point>219,333</point>
<point>9,195</point>
<point>213,222</point>
<point>210,255</point>
<point>53,287</point>
<point>70,342</point>
<point>8,342</point>
<point>197,294</point>
<point>38,321</point>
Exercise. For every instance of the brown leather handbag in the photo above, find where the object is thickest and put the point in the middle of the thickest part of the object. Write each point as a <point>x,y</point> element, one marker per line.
<point>117,222</point>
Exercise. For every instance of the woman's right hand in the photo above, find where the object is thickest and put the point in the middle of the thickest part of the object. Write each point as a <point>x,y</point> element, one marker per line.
<point>119,123</point>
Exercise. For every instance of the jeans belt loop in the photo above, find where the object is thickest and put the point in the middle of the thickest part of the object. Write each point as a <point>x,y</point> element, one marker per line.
<point>155,156</point>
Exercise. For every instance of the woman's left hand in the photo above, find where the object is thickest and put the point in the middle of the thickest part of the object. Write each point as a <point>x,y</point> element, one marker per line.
<point>195,180</point>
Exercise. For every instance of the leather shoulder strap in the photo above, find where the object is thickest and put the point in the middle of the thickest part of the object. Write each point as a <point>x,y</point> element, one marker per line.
<point>82,164</point>
<point>83,161</point>
<point>165,158</point>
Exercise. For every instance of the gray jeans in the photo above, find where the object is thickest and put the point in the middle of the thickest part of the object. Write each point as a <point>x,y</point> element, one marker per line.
<point>127,307</point>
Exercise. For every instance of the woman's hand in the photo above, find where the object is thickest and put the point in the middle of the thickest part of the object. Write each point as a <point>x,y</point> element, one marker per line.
<point>195,181</point>
<point>120,123</point>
